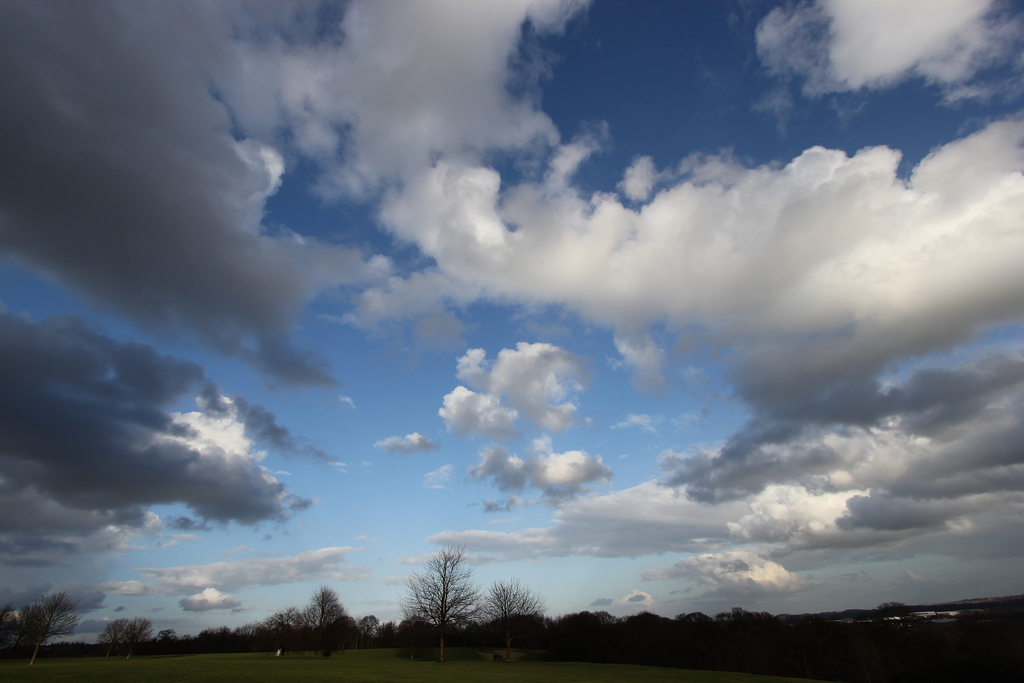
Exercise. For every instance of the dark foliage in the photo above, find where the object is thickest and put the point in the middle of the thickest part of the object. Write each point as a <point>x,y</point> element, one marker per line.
<point>878,650</point>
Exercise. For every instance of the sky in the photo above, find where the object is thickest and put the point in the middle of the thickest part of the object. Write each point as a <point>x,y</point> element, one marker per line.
<point>663,306</point>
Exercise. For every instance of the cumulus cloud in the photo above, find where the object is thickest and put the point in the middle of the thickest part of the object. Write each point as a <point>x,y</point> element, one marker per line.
<point>639,179</point>
<point>410,443</point>
<point>324,563</point>
<point>467,412</point>
<point>734,575</point>
<point>740,259</point>
<point>790,514</point>
<point>208,599</point>
<point>925,456</point>
<point>90,445</point>
<point>941,434</point>
<point>537,381</point>
<point>850,44</point>
<point>559,476</point>
<point>405,84</point>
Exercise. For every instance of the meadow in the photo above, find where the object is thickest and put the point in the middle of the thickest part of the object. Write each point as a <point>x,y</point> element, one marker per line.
<point>465,665</point>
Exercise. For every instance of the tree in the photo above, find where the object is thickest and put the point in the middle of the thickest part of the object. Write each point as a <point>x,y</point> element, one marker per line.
<point>113,634</point>
<point>137,630</point>
<point>48,617</point>
<point>386,634</point>
<point>511,606</point>
<point>412,634</point>
<point>326,620</point>
<point>369,626</point>
<point>8,625</point>
<point>444,595</point>
<point>283,629</point>
<point>891,611</point>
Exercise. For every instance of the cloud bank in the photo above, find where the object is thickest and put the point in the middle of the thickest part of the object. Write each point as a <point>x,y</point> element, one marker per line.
<point>89,443</point>
<point>842,45</point>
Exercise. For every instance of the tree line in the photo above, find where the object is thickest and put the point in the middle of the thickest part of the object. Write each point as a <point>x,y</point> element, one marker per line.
<point>882,649</point>
<point>441,601</point>
<point>443,607</point>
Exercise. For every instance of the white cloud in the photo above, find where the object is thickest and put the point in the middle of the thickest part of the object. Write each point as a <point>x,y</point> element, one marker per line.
<point>208,599</point>
<point>741,254</point>
<point>646,358</point>
<point>537,380</point>
<point>930,453</point>
<point>559,476</point>
<point>850,44</point>
<point>566,159</point>
<point>467,412</point>
<point>647,423</point>
<point>642,520</point>
<point>508,472</point>
<point>635,601</point>
<point>639,179</point>
<point>407,83</point>
<point>175,539</point>
<point>439,478</point>
<point>324,563</point>
<point>217,435</point>
<point>736,574</point>
<point>790,514</point>
<point>410,443</point>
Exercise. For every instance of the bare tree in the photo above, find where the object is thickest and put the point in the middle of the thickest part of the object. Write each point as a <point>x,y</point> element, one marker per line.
<point>8,625</point>
<point>444,595</point>
<point>113,634</point>
<point>48,617</point>
<point>511,606</point>
<point>137,630</point>
<point>284,629</point>
<point>368,629</point>
<point>326,619</point>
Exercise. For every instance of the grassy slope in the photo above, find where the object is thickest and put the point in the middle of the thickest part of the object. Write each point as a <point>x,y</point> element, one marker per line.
<point>361,666</point>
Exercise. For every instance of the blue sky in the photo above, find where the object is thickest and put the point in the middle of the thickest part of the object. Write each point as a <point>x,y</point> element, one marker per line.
<point>655,306</point>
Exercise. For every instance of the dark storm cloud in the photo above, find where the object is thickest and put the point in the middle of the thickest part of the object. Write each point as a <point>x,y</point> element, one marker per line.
<point>968,415</point>
<point>86,443</point>
<point>87,599</point>
<point>121,180</point>
<point>885,513</point>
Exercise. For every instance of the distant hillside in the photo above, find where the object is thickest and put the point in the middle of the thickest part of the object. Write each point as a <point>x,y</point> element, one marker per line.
<point>1007,602</point>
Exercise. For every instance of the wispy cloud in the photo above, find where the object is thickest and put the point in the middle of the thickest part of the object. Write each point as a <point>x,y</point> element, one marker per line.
<point>324,563</point>
<point>439,478</point>
<point>647,423</point>
<point>408,444</point>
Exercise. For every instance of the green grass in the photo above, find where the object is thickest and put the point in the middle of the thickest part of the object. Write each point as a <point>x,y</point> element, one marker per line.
<point>464,665</point>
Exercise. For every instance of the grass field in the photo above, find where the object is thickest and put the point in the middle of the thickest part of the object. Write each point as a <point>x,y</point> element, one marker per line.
<point>464,665</point>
